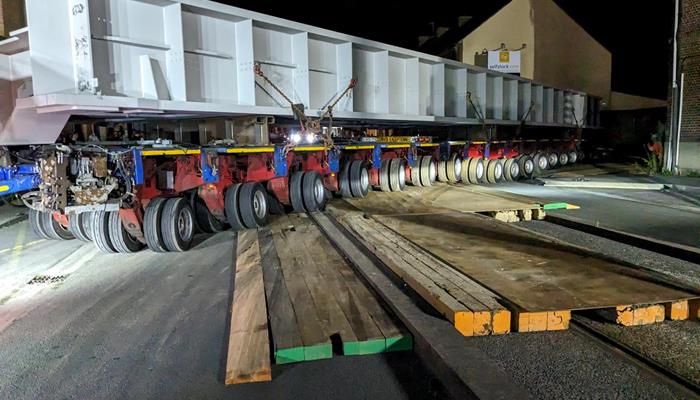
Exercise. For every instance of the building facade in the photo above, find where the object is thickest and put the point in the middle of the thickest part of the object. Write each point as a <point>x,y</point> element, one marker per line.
<point>684,114</point>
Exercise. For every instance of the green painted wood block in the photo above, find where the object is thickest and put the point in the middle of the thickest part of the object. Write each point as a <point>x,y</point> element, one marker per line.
<point>399,343</point>
<point>286,356</point>
<point>318,352</point>
<point>555,206</point>
<point>371,346</point>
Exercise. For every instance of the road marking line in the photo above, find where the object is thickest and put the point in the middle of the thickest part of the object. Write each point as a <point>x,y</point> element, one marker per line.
<point>21,246</point>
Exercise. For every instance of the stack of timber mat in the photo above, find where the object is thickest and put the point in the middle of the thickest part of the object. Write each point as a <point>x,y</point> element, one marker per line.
<point>447,198</point>
<point>538,280</point>
<point>314,296</point>
<point>291,282</point>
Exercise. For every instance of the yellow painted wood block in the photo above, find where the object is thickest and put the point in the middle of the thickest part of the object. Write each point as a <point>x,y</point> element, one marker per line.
<point>677,310</point>
<point>464,322</point>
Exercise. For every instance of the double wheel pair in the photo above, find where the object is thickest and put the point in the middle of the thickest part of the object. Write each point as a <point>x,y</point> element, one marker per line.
<point>450,170</point>
<point>168,224</point>
<point>307,192</point>
<point>46,225</point>
<point>392,175</point>
<point>502,169</point>
<point>353,179</point>
<point>424,171</point>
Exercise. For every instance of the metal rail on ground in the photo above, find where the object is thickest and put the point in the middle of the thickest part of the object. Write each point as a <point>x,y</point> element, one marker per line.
<point>675,250</point>
<point>660,372</point>
<point>464,370</point>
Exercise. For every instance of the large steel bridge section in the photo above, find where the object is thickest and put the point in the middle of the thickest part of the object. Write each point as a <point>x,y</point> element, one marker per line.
<point>180,58</point>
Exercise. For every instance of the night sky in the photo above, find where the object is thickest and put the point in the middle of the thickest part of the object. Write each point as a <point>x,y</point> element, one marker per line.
<point>637,33</point>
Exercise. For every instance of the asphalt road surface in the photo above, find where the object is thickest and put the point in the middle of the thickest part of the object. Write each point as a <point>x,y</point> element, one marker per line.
<point>95,326</point>
<point>150,326</point>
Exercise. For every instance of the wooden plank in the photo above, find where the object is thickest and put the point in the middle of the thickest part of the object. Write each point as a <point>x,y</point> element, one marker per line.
<point>396,338</point>
<point>287,343</point>
<point>489,316</point>
<point>462,367</point>
<point>330,316</point>
<point>316,344</point>
<point>248,358</point>
<point>511,262</point>
<point>443,302</point>
<point>369,338</point>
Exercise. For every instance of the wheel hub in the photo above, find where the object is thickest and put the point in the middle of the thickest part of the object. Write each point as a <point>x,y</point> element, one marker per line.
<point>479,169</point>
<point>364,178</point>
<point>319,191</point>
<point>259,204</point>
<point>542,162</point>
<point>458,167</point>
<point>402,175</point>
<point>498,171</point>
<point>433,171</point>
<point>514,170</point>
<point>184,224</point>
<point>529,166</point>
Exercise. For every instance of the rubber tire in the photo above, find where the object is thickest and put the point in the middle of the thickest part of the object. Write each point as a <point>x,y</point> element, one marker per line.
<point>246,205</point>
<point>492,175</point>
<point>357,169</point>
<point>205,219</point>
<point>384,176</point>
<point>344,181</point>
<point>151,225</point>
<point>508,165</point>
<point>425,174</point>
<point>522,162</point>
<point>472,171</point>
<point>169,221</point>
<point>552,160</point>
<point>295,192</point>
<point>563,159</point>
<point>233,214</point>
<point>454,168</point>
<point>415,172</point>
<point>573,157</point>
<point>36,224</point>
<point>499,177</point>
<point>77,226</point>
<point>310,182</point>
<point>539,169</point>
<point>101,233</point>
<point>87,223</point>
<point>442,171</point>
<point>54,230</point>
<point>395,168</point>
<point>119,237</point>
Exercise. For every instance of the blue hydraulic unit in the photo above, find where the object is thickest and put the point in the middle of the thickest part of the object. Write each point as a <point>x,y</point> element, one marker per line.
<point>18,178</point>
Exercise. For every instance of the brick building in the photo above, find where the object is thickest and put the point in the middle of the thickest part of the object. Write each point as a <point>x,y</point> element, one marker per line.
<point>687,155</point>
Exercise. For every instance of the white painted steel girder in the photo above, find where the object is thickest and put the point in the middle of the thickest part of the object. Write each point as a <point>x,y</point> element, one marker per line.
<point>168,58</point>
